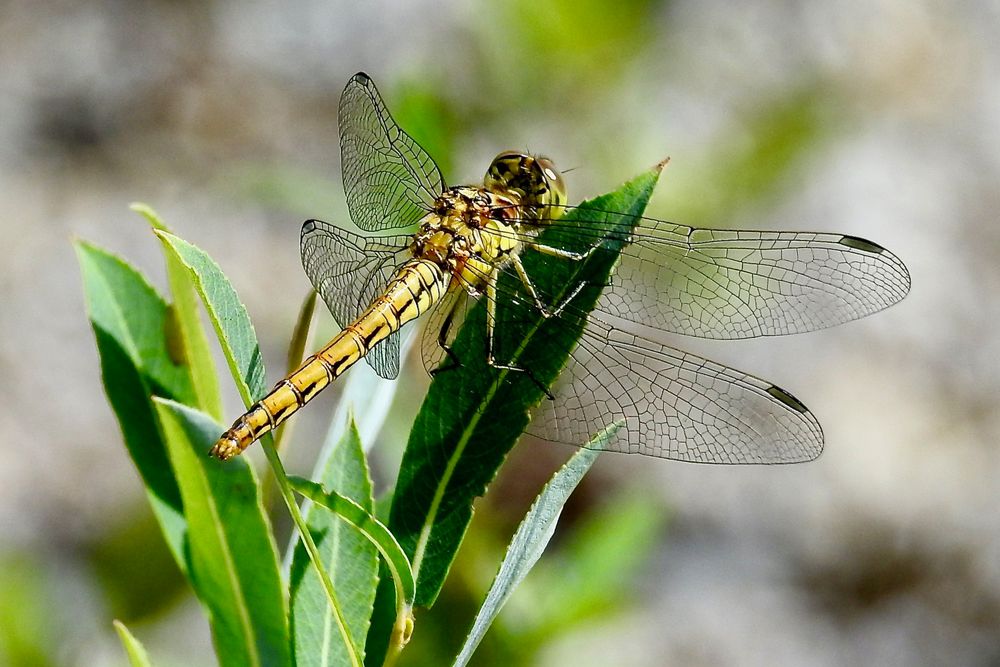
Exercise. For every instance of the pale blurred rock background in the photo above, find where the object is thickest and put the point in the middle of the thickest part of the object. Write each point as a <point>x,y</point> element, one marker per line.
<point>878,119</point>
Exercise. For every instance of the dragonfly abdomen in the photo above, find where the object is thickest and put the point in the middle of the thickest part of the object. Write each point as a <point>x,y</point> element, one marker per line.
<point>417,286</point>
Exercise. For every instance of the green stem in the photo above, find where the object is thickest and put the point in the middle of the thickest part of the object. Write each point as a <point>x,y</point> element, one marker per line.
<point>278,470</point>
<point>393,555</point>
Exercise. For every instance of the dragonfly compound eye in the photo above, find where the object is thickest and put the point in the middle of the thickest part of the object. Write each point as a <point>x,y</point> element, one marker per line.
<point>555,195</point>
<point>535,181</point>
<point>505,171</point>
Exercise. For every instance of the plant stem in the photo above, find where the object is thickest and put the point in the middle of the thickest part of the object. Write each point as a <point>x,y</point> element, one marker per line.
<point>278,470</point>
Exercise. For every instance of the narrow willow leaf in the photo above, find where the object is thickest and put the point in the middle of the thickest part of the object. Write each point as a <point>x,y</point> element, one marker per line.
<point>137,656</point>
<point>130,323</point>
<point>373,529</point>
<point>473,416</point>
<point>532,537</point>
<point>617,539</point>
<point>228,316</point>
<point>152,217</point>
<point>234,562</point>
<point>190,342</point>
<point>239,345</point>
<point>302,334</point>
<point>297,346</point>
<point>349,557</point>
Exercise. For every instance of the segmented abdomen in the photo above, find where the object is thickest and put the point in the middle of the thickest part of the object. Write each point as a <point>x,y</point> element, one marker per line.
<point>417,286</point>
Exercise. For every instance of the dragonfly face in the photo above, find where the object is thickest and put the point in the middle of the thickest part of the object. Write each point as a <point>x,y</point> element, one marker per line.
<point>670,279</point>
<point>534,180</point>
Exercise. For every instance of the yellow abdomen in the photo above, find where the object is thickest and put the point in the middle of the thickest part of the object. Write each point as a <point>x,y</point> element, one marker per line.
<point>417,286</point>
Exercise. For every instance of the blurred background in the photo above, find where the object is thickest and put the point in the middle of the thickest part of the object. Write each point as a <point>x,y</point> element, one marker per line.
<point>879,119</point>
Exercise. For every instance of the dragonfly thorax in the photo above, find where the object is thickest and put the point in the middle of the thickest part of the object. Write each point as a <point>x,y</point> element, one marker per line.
<point>468,231</point>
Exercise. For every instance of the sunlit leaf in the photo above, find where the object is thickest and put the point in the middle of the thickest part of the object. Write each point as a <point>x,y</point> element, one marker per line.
<point>349,556</point>
<point>531,538</point>
<point>228,316</point>
<point>234,562</point>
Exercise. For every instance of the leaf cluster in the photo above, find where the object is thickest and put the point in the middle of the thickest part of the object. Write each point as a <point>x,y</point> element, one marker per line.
<point>350,581</point>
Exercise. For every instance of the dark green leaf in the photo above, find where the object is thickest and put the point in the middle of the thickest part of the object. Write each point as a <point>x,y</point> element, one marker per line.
<point>473,416</point>
<point>130,323</point>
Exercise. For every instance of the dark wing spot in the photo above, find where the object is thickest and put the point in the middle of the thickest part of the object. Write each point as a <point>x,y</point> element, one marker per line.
<point>787,399</point>
<point>861,244</point>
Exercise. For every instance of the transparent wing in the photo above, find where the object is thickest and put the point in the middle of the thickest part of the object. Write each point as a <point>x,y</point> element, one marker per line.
<point>730,284</point>
<point>349,271</point>
<point>389,180</point>
<point>675,405</point>
<point>441,326</point>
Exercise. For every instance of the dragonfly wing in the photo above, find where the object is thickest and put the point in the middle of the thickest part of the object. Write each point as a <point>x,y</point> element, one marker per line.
<point>442,325</point>
<point>349,271</point>
<point>730,284</point>
<point>389,180</point>
<point>675,405</point>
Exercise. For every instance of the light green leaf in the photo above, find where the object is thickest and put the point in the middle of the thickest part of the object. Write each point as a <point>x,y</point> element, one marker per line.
<point>137,656</point>
<point>586,579</point>
<point>228,316</point>
<point>349,557</point>
<point>130,322</point>
<point>373,529</point>
<point>234,563</point>
<point>152,217</point>
<point>532,537</point>
<point>189,343</point>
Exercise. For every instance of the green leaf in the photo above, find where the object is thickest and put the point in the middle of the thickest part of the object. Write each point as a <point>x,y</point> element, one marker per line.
<point>137,656</point>
<point>239,345</point>
<point>234,563</point>
<point>152,217</point>
<point>189,343</point>
<point>532,537</point>
<point>347,554</point>
<point>130,322</point>
<point>228,316</point>
<point>590,576</point>
<point>472,417</point>
<point>373,529</point>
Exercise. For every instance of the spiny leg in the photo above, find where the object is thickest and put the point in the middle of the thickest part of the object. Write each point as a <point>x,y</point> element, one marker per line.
<point>491,312</point>
<point>545,309</point>
<point>442,341</point>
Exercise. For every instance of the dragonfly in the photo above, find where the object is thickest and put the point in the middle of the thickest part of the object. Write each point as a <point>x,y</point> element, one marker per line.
<point>471,243</point>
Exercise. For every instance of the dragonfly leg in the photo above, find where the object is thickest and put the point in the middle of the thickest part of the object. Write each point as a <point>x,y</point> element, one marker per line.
<point>491,311</point>
<point>561,252</point>
<point>546,310</point>
<point>442,341</point>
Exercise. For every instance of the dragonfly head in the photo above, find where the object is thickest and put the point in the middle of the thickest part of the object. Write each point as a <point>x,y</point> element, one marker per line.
<point>533,178</point>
